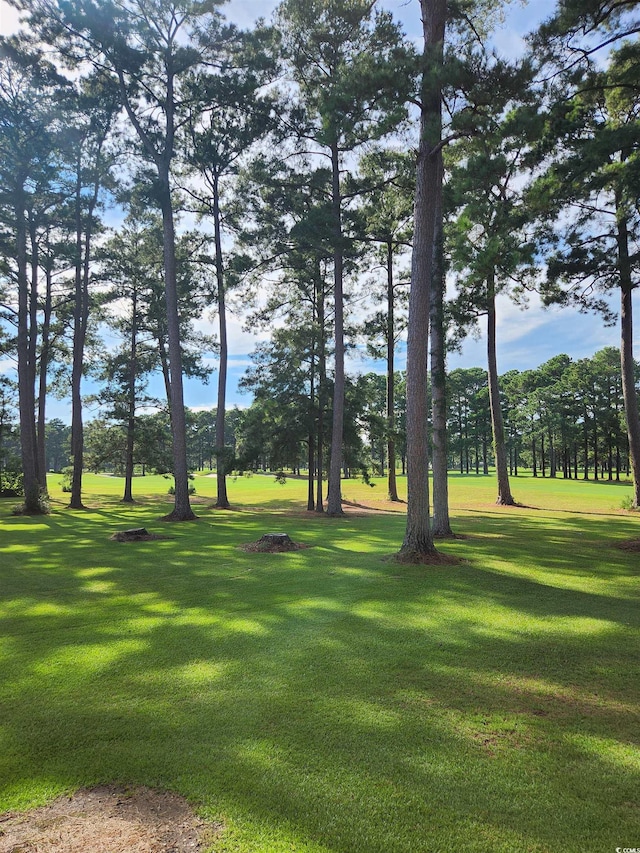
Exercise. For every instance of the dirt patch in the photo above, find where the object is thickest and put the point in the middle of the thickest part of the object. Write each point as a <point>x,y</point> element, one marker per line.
<point>629,545</point>
<point>108,820</point>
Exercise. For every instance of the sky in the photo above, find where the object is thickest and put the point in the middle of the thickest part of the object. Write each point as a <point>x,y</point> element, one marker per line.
<point>526,339</point>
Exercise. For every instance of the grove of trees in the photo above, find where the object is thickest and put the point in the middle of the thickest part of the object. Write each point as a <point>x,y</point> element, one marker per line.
<point>340,188</point>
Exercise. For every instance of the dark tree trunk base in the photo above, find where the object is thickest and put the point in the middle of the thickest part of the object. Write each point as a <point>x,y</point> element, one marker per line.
<point>447,533</point>
<point>23,509</point>
<point>415,557</point>
<point>175,516</point>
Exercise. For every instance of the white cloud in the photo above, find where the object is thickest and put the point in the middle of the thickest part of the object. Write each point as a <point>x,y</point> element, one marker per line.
<point>212,407</point>
<point>239,339</point>
<point>509,43</point>
<point>359,362</point>
<point>235,362</point>
<point>514,322</point>
<point>245,12</point>
<point>9,19</point>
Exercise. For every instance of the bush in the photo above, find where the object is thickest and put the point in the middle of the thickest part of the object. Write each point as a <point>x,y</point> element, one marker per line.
<point>12,482</point>
<point>67,475</point>
<point>192,489</point>
<point>39,506</point>
<point>627,503</point>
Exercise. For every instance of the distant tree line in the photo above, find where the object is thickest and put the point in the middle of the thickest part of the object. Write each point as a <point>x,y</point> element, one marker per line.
<point>563,419</point>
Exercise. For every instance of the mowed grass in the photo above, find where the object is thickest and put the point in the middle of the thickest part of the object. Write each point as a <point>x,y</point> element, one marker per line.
<point>330,699</point>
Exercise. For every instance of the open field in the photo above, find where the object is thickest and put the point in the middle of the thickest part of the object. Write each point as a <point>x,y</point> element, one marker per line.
<point>329,699</point>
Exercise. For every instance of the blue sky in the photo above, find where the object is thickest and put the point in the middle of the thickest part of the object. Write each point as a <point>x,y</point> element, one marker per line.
<point>526,339</point>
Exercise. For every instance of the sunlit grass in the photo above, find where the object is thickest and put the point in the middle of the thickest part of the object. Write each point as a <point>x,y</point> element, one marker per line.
<point>467,492</point>
<point>329,699</point>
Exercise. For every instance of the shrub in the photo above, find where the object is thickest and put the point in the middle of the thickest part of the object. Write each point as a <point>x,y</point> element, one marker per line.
<point>39,506</point>
<point>192,489</point>
<point>65,482</point>
<point>12,482</point>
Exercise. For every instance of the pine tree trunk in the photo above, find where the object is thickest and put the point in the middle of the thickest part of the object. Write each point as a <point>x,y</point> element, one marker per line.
<point>441,521</point>
<point>504,492</point>
<point>182,508</point>
<point>164,363</point>
<point>334,498</point>
<point>311,504</point>
<point>626,359</point>
<point>391,415</point>
<point>131,415</point>
<point>26,388</point>
<point>533,456</point>
<point>322,384</point>
<point>79,338</point>
<point>222,500</point>
<point>42,378</point>
<point>33,353</point>
<point>418,538</point>
<point>162,158</point>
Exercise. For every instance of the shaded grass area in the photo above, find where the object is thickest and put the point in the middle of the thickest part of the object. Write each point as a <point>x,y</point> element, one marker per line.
<point>327,699</point>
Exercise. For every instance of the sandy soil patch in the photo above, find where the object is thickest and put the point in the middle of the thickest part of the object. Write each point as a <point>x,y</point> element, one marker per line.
<point>108,819</point>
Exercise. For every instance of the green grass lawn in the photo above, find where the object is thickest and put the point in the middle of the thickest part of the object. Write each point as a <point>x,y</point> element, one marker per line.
<point>329,699</point>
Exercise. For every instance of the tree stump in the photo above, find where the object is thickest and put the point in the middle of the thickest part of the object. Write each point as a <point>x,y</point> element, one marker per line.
<point>276,540</point>
<point>134,533</point>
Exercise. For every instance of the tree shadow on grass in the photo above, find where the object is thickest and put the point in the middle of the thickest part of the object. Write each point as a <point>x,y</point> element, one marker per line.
<point>324,701</point>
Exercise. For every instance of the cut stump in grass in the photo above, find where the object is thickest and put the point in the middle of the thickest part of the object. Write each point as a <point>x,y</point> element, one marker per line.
<point>281,539</point>
<point>274,543</point>
<point>632,545</point>
<point>120,820</point>
<point>136,534</point>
